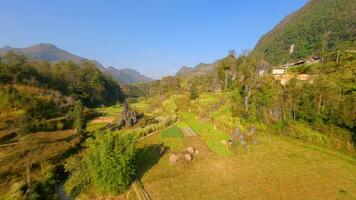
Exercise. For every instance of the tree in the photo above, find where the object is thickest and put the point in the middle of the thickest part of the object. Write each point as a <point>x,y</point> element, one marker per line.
<point>110,161</point>
<point>194,92</point>
<point>78,117</point>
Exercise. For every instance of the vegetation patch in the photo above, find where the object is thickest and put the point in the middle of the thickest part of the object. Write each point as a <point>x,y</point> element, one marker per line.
<point>211,136</point>
<point>172,138</point>
<point>108,164</point>
<point>172,132</point>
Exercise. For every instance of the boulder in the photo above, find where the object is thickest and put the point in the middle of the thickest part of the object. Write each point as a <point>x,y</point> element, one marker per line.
<point>223,142</point>
<point>173,158</point>
<point>128,116</point>
<point>190,150</point>
<point>188,157</point>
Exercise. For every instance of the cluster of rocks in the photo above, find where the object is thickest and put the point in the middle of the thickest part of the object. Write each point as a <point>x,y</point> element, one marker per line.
<point>242,139</point>
<point>128,116</point>
<point>187,155</point>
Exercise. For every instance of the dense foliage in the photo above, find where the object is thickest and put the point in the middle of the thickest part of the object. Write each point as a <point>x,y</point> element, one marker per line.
<point>83,82</point>
<point>37,95</point>
<point>320,26</point>
<point>327,99</point>
<point>108,164</point>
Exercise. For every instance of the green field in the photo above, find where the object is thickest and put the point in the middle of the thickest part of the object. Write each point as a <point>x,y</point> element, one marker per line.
<point>172,138</point>
<point>211,136</point>
<point>172,132</point>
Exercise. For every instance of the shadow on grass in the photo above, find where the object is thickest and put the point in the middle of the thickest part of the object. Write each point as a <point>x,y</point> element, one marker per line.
<point>147,157</point>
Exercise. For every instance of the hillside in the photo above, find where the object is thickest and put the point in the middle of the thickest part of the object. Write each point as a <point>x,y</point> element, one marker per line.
<point>321,25</point>
<point>47,52</point>
<point>201,69</point>
<point>127,75</point>
<point>53,54</point>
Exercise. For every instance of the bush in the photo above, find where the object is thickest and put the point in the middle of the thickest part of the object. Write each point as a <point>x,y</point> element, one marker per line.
<point>110,161</point>
<point>79,176</point>
<point>108,164</point>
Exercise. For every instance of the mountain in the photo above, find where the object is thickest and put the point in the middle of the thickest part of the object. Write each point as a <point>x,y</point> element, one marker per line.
<point>201,69</point>
<point>127,75</point>
<point>51,53</point>
<point>48,52</point>
<point>320,26</point>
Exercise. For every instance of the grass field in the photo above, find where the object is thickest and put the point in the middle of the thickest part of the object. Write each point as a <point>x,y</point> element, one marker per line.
<point>172,138</point>
<point>108,115</point>
<point>110,111</point>
<point>277,168</point>
<point>211,136</point>
<point>172,132</point>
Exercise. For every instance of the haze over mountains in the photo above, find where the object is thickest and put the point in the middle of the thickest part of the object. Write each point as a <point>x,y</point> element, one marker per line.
<point>51,53</point>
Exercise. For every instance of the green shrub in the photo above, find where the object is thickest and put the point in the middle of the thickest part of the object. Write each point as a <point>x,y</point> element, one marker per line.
<point>110,161</point>
<point>79,176</point>
<point>108,164</point>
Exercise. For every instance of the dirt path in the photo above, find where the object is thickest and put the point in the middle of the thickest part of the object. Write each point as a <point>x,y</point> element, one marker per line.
<point>102,120</point>
<point>187,131</point>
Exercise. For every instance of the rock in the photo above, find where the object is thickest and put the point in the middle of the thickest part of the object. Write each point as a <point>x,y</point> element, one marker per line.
<point>190,150</point>
<point>196,152</point>
<point>173,158</point>
<point>223,142</point>
<point>255,141</point>
<point>128,116</point>
<point>188,157</point>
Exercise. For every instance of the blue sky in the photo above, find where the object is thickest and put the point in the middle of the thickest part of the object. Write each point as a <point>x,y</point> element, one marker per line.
<point>155,37</point>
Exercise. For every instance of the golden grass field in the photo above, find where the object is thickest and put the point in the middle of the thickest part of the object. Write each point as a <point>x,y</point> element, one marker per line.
<point>277,168</point>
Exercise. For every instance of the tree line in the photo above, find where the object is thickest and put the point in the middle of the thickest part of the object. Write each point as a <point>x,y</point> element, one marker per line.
<point>32,92</point>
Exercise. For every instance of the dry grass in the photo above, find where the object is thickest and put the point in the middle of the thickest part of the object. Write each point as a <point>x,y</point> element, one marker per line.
<point>277,168</point>
<point>37,148</point>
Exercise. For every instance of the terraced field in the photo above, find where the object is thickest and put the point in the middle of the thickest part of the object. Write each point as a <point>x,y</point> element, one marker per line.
<point>211,136</point>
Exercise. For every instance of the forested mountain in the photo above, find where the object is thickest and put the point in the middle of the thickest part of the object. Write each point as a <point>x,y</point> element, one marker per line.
<point>321,25</point>
<point>127,75</point>
<point>201,69</point>
<point>53,54</point>
<point>47,52</point>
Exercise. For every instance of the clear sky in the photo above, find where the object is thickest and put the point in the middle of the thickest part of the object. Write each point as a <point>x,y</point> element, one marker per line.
<point>155,37</point>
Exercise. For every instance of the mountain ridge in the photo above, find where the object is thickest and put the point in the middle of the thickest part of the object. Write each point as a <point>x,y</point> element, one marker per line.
<point>51,53</point>
<point>200,69</point>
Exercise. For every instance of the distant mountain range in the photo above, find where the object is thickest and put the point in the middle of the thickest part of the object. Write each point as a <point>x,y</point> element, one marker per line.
<point>202,69</point>
<point>51,53</point>
<point>127,75</point>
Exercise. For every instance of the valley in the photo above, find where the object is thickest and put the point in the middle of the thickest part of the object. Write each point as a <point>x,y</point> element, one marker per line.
<point>274,122</point>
